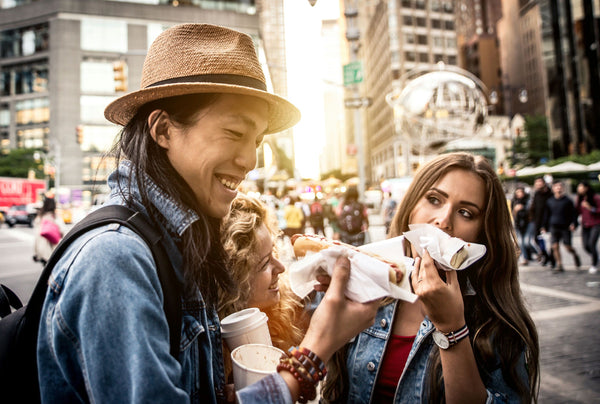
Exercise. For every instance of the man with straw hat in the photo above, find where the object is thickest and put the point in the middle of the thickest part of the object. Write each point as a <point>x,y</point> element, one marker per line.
<point>189,138</point>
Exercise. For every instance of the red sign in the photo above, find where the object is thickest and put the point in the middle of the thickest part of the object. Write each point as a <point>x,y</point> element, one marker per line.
<point>19,191</point>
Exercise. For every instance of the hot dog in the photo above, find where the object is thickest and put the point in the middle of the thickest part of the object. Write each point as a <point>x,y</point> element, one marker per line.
<point>303,243</point>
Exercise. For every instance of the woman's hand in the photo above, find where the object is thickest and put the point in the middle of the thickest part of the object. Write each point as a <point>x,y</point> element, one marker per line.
<point>442,300</point>
<point>337,319</point>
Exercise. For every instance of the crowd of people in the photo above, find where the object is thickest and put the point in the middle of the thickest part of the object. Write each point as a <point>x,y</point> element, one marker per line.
<point>189,138</point>
<point>545,220</point>
<point>341,217</point>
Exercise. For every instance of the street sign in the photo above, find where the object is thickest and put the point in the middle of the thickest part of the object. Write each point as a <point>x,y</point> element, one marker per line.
<point>353,73</point>
<point>359,102</point>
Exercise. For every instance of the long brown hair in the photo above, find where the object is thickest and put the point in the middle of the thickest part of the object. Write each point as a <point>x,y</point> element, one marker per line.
<point>497,313</point>
<point>203,255</point>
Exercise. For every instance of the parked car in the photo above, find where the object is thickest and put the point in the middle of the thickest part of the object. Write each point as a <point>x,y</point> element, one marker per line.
<point>19,214</point>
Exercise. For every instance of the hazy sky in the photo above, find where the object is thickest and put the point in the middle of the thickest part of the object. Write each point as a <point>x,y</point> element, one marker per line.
<point>305,61</point>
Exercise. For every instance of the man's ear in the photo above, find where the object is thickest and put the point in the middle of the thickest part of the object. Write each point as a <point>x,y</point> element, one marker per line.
<point>159,124</point>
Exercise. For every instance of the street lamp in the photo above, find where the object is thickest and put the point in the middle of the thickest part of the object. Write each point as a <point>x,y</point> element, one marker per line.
<point>523,97</point>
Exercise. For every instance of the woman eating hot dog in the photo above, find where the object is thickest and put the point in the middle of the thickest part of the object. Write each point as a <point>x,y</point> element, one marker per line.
<point>468,338</point>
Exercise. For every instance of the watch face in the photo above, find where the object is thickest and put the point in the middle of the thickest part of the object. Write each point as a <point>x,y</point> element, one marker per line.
<point>441,340</point>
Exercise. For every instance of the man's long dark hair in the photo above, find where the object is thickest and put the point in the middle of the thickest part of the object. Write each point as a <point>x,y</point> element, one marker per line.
<point>203,254</point>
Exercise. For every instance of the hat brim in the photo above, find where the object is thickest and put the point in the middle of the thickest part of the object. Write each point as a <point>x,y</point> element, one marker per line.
<point>282,113</point>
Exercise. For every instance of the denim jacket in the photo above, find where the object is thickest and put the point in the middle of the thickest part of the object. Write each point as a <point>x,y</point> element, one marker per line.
<point>366,353</point>
<point>103,334</point>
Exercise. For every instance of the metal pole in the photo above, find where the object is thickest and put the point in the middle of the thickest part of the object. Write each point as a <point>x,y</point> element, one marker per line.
<point>352,34</point>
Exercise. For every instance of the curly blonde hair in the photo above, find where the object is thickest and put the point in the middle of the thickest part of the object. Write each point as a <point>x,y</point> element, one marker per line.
<point>287,320</point>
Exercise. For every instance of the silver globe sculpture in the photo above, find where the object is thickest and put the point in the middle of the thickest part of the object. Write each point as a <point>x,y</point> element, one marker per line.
<point>437,105</point>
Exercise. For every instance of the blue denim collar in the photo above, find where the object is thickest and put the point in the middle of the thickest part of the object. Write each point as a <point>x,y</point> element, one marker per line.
<point>175,217</point>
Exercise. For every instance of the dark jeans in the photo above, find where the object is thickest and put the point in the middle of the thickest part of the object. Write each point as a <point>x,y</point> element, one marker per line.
<point>353,239</point>
<point>590,237</point>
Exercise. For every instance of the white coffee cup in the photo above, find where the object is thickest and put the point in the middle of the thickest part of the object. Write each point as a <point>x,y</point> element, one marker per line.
<point>252,362</point>
<point>248,326</point>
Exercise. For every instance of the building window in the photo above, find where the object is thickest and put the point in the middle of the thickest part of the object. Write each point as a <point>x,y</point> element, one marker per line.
<point>422,39</point>
<point>449,25</point>
<point>409,56</point>
<point>98,139</point>
<point>409,38</point>
<point>4,115</point>
<point>4,141</point>
<point>92,108</point>
<point>97,77</point>
<point>423,57</point>
<point>103,35</point>
<point>407,20</point>
<point>421,22</point>
<point>5,82</point>
<point>24,41</point>
<point>33,111</point>
<point>24,79</point>
<point>35,138</point>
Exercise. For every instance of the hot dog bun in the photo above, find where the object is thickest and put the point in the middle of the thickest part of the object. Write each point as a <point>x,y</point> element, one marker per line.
<point>459,257</point>
<point>304,243</point>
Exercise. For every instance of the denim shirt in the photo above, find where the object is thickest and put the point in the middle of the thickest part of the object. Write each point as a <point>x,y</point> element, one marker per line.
<point>365,356</point>
<point>103,333</point>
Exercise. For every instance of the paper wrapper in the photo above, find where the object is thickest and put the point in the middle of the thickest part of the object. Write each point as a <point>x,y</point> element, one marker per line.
<point>368,276</point>
<point>442,246</point>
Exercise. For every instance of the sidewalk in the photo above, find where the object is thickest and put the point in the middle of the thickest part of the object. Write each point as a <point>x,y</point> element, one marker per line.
<point>566,309</point>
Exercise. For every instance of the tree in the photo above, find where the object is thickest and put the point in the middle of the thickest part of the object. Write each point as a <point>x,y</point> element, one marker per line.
<point>532,147</point>
<point>18,162</point>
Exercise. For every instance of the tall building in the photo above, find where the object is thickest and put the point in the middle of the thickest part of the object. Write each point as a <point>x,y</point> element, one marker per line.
<point>478,42</point>
<point>63,61</point>
<point>399,36</point>
<point>272,30</point>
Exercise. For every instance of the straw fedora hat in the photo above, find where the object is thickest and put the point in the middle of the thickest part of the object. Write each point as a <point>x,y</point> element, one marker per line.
<point>202,58</point>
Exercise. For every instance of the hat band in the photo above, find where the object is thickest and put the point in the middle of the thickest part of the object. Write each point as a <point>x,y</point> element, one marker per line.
<point>234,79</point>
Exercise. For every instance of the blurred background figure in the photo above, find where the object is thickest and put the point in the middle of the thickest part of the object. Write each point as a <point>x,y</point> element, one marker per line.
<point>537,213</point>
<point>353,220</point>
<point>561,219</point>
<point>48,230</point>
<point>388,208</point>
<point>520,212</point>
<point>588,207</point>
<point>294,218</point>
<point>317,217</point>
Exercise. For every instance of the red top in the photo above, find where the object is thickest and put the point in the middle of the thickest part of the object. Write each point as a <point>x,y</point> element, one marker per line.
<point>392,366</point>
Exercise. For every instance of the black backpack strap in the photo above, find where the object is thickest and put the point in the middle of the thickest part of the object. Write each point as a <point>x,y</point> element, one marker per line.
<point>8,300</point>
<point>134,220</point>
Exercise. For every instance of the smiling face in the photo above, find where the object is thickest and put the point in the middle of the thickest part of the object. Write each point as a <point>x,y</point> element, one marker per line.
<point>455,204</point>
<point>214,155</point>
<point>264,284</point>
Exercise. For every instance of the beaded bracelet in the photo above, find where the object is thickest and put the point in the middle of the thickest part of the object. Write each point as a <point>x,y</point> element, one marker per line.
<point>310,361</point>
<point>313,357</point>
<point>307,387</point>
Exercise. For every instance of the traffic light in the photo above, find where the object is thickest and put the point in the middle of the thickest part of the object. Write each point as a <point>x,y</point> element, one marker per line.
<point>79,133</point>
<point>120,75</point>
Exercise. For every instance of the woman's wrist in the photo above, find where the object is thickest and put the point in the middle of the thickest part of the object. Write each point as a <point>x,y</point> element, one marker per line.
<point>447,327</point>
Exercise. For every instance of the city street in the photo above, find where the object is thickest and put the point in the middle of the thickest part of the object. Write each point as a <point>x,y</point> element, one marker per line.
<point>565,307</point>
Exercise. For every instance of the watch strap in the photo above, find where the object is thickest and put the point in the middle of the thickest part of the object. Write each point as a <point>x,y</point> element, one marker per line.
<point>454,337</point>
